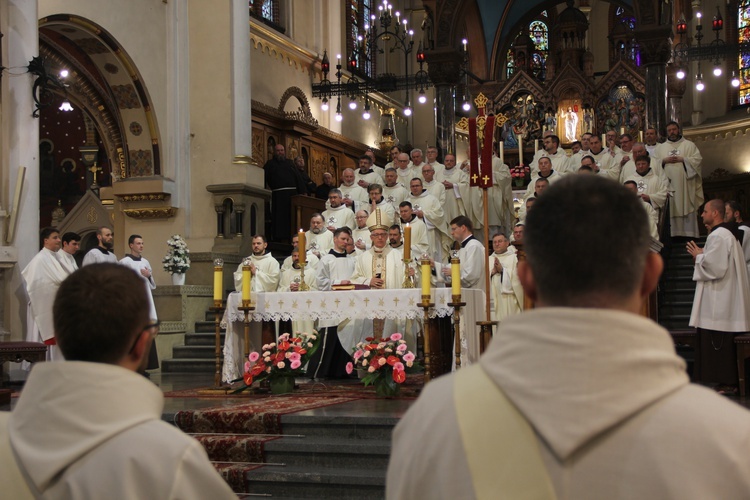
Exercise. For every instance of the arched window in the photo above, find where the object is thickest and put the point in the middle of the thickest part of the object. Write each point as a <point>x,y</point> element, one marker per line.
<point>743,63</point>
<point>623,45</point>
<point>359,21</point>
<point>265,10</point>
<point>540,37</point>
<point>510,64</point>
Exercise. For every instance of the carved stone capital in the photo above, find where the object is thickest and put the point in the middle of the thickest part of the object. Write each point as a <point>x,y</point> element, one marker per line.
<point>444,66</point>
<point>655,44</point>
<point>151,213</point>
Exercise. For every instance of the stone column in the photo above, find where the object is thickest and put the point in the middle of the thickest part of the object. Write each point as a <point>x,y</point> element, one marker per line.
<point>444,68</point>
<point>675,92</point>
<point>656,50</point>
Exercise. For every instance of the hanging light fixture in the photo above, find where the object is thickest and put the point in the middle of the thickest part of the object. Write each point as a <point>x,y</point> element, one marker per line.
<point>366,113</point>
<point>339,116</point>
<point>735,81</point>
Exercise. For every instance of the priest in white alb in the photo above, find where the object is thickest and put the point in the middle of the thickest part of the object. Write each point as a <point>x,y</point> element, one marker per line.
<point>505,287</point>
<point>43,276</point>
<point>420,245</point>
<point>354,196</point>
<point>337,214</point>
<point>318,238</point>
<point>393,192</point>
<point>682,165</point>
<point>430,211</point>
<point>453,178</point>
<point>652,188</point>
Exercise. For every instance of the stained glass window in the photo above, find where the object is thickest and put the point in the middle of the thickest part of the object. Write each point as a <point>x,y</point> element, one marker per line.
<point>510,66</point>
<point>360,22</point>
<point>743,35</point>
<point>623,45</point>
<point>540,37</point>
<point>265,9</point>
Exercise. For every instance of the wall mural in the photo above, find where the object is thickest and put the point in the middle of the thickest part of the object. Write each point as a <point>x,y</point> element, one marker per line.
<point>526,120</point>
<point>621,110</point>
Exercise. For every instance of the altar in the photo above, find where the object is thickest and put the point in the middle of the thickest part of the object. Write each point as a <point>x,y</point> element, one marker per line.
<point>395,304</point>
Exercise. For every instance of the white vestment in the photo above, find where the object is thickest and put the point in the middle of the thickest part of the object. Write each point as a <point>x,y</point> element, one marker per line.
<point>746,246</point>
<point>266,277</point>
<point>653,219</point>
<point>341,216</point>
<point>439,169</point>
<point>420,245</point>
<point>608,163</point>
<point>506,290</point>
<point>436,189</point>
<point>473,268</point>
<point>320,243</point>
<point>311,261</point>
<point>385,207</point>
<point>67,261</point>
<point>395,195</point>
<point>438,234</point>
<point>722,292</point>
<point>370,177</point>
<point>687,185</point>
<point>363,236</point>
<point>454,203</point>
<point>628,170</point>
<point>656,187</point>
<point>43,276</point>
<point>136,264</point>
<point>553,177</point>
<point>355,193</point>
<point>333,269</point>
<point>560,161</point>
<point>98,255</point>
<point>94,430</point>
<point>405,175</point>
<point>294,275</point>
<point>608,424</point>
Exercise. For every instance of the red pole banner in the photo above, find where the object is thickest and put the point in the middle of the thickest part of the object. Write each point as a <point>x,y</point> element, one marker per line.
<point>485,170</point>
<point>473,153</point>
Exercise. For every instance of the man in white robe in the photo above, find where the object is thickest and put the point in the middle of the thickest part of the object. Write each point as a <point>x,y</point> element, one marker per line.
<point>733,213</point>
<point>556,154</point>
<point>545,172</point>
<point>361,234</point>
<point>505,287</point>
<point>652,188</point>
<point>354,196</point>
<point>312,259</point>
<point>337,215</point>
<point>365,174</point>
<point>318,239</point>
<point>375,192</point>
<point>393,192</point>
<point>575,158</point>
<point>290,280</point>
<point>573,426</point>
<point>395,239</point>
<point>540,184</point>
<point>471,254</point>
<point>394,152</point>
<point>651,140</point>
<point>420,244</point>
<point>405,170</point>
<point>439,168</point>
<point>335,268</point>
<point>135,261</point>
<point>431,185</point>
<point>430,211</point>
<point>43,276</point>
<point>628,168</point>
<point>605,160</point>
<point>721,308</point>
<point>453,178</point>
<point>653,218</point>
<point>103,251</point>
<point>502,209</point>
<point>264,277</point>
<point>682,164</point>
<point>92,427</point>
<point>71,244</point>
<point>417,162</point>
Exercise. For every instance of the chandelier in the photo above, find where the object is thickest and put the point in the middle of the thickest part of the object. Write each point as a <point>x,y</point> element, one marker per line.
<point>716,51</point>
<point>385,33</point>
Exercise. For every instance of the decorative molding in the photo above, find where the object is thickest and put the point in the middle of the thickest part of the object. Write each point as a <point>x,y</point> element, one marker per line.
<point>151,213</point>
<point>125,198</point>
<point>718,131</point>
<point>278,46</point>
<point>242,160</point>
<point>719,173</point>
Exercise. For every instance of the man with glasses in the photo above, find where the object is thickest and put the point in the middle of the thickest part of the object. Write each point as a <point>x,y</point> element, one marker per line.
<point>141,266</point>
<point>91,427</point>
<point>361,234</point>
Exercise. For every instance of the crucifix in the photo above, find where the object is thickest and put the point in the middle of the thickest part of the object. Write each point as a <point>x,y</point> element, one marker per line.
<point>94,169</point>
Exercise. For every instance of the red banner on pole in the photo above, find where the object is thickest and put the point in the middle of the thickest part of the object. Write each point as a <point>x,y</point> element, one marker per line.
<point>473,153</point>
<point>485,169</point>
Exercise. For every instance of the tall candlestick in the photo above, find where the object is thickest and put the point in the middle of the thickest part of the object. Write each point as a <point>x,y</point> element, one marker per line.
<point>246,280</point>
<point>218,280</point>
<point>301,245</point>
<point>407,242</point>
<point>520,151</point>
<point>455,276</point>
<point>426,275</point>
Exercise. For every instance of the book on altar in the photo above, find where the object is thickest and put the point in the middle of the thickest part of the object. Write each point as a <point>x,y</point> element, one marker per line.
<point>350,286</point>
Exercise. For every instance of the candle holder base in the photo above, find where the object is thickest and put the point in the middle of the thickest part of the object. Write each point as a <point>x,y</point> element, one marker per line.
<point>408,283</point>
<point>246,310</point>
<point>485,334</point>
<point>426,305</point>
<point>218,310</point>
<point>456,304</point>
<point>303,286</point>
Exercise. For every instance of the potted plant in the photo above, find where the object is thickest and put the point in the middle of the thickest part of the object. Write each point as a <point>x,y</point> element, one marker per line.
<point>280,362</point>
<point>384,363</point>
<point>177,260</point>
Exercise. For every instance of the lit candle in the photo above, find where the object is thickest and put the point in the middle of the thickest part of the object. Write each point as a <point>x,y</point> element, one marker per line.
<point>604,139</point>
<point>338,59</point>
<point>218,280</point>
<point>501,150</point>
<point>455,276</point>
<point>426,275</point>
<point>640,136</point>
<point>622,130</point>
<point>520,151</point>
<point>465,42</point>
<point>536,145</point>
<point>302,248</point>
<point>407,242</point>
<point>246,276</point>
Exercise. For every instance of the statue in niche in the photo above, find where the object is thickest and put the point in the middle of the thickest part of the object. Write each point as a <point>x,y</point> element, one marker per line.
<point>588,119</point>
<point>428,36</point>
<point>550,120</point>
<point>571,124</point>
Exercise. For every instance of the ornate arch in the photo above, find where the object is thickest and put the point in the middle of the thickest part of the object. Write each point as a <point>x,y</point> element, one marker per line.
<point>303,113</point>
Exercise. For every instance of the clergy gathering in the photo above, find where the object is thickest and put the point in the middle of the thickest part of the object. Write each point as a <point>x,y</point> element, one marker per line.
<point>402,249</point>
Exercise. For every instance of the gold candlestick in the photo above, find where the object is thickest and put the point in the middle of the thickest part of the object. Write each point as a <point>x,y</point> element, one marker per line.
<point>426,305</point>
<point>246,308</point>
<point>456,304</point>
<point>408,283</point>
<point>303,286</point>
<point>217,309</point>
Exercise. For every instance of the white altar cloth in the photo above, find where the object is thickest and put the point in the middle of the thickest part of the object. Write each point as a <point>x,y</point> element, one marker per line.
<point>349,304</point>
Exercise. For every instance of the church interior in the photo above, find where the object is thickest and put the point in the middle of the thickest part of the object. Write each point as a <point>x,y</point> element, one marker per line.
<point>169,109</point>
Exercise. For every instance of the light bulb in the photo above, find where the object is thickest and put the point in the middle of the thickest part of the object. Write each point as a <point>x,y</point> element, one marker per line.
<point>717,70</point>
<point>324,104</point>
<point>407,110</point>
<point>366,115</point>
<point>699,86</point>
<point>64,73</point>
<point>735,80</point>
<point>65,106</point>
<point>339,117</point>
<point>466,106</point>
<point>353,104</point>
<point>422,98</point>
<point>680,74</point>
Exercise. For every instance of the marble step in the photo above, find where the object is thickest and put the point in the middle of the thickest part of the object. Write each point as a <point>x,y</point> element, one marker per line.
<point>188,365</point>
<point>306,482</point>
<point>203,338</point>
<point>194,352</point>
<point>326,452</point>
<point>377,428</point>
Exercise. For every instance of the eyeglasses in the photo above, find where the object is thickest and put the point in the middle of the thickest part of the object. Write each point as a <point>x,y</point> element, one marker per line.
<point>379,235</point>
<point>151,326</point>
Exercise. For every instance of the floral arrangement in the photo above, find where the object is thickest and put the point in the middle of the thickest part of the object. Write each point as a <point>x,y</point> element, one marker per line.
<point>520,172</point>
<point>285,358</point>
<point>177,259</point>
<point>384,363</point>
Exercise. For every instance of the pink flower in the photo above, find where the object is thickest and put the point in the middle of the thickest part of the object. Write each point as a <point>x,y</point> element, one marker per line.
<point>401,348</point>
<point>280,365</point>
<point>396,336</point>
<point>357,354</point>
<point>247,366</point>
<point>295,364</point>
<point>409,357</point>
<point>349,368</point>
<point>398,366</point>
<point>371,369</point>
<point>294,357</point>
<point>253,357</point>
